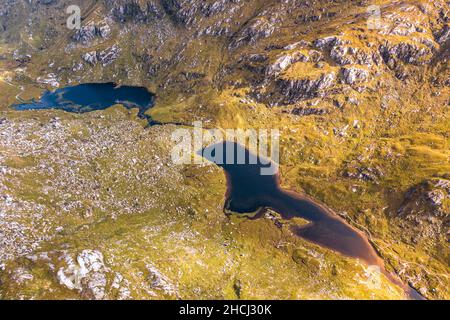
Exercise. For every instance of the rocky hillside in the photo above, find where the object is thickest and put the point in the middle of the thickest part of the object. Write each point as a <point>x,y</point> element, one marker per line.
<point>363,110</point>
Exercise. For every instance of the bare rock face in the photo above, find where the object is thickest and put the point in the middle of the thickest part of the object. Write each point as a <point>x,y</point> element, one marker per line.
<point>189,12</point>
<point>444,35</point>
<point>328,42</point>
<point>408,53</point>
<point>134,11</point>
<point>105,57</point>
<point>293,90</point>
<point>90,57</point>
<point>283,62</point>
<point>180,11</point>
<point>260,28</point>
<point>109,55</point>
<point>88,33</point>
<point>87,274</point>
<point>308,111</point>
<point>352,75</point>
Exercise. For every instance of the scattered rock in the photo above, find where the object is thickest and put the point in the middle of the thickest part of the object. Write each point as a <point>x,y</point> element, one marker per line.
<point>21,275</point>
<point>352,75</point>
<point>406,52</point>
<point>105,57</point>
<point>109,55</point>
<point>295,45</point>
<point>159,281</point>
<point>90,57</point>
<point>258,29</point>
<point>328,42</point>
<point>50,79</point>
<point>308,111</point>
<point>444,35</point>
<point>88,33</point>
<point>132,11</point>
<point>283,62</point>
<point>87,274</point>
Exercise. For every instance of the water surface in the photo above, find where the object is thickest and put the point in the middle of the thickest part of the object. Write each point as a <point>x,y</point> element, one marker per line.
<point>88,97</point>
<point>249,191</point>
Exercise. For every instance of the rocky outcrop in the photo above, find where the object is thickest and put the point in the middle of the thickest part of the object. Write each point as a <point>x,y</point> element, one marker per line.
<point>180,11</point>
<point>90,57</point>
<point>47,2</point>
<point>307,111</point>
<point>343,53</point>
<point>409,53</point>
<point>444,35</point>
<point>109,55</point>
<point>347,55</point>
<point>283,62</point>
<point>87,274</point>
<point>255,63</point>
<point>424,220</point>
<point>328,42</point>
<point>352,75</point>
<point>105,57</point>
<point>425,209</point>
<point>258,29</point>
<point>293,90</point>
<point>161,282</point>
<point>88,33</point>
<point>339,55</point>
<point>400,28</point>
<point>51,79</point>
<point>133,11</point>
<point>189,12</point>
<point>211,9</point>
<point>362,173</point>
<point>431,193</point>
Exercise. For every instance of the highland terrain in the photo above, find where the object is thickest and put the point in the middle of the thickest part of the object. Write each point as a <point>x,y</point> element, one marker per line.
<point>91,206</point>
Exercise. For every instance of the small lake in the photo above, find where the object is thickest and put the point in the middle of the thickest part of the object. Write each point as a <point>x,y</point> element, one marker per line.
<point>249,192</point>
<point>89,97</point>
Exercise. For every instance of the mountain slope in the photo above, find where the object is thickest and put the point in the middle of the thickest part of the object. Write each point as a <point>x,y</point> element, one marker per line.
<point>363,115</point>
